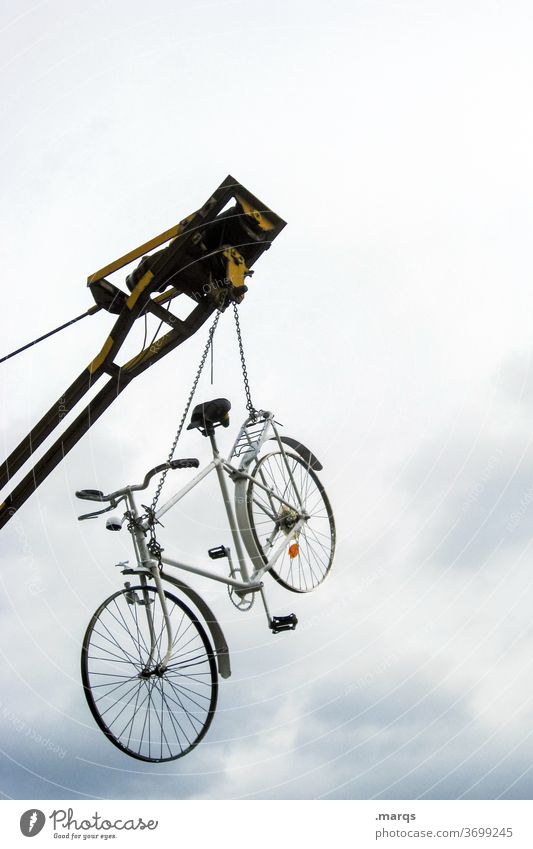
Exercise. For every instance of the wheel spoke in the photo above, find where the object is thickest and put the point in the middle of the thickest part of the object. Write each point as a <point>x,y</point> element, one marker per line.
<point>113,641</point>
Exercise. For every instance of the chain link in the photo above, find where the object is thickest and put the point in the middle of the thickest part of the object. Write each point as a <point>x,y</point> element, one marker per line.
<point>186,411</point>
<point>249,406</point>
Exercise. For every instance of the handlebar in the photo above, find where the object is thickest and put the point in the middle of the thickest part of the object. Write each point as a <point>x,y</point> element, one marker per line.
<point>98,495</point>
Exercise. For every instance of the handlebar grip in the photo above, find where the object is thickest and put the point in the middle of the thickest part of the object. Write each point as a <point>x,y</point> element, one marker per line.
<point>90,494</point>
<point>188,463</point>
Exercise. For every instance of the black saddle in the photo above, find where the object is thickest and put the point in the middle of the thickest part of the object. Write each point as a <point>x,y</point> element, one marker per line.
<point>209,415</point>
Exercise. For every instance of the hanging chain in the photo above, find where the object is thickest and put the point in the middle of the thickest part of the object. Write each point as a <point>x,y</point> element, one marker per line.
<point>249,406</point>
<point>184,416</point>
<point>153,544</point>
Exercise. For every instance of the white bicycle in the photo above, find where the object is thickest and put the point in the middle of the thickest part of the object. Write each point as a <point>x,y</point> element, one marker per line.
<point>150,664</point>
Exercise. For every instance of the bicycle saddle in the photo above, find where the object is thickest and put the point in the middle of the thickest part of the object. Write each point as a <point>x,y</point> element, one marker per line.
<point>208,415</point>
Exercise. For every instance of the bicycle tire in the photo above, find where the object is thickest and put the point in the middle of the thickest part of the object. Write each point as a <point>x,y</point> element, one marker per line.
<point>157,718</point>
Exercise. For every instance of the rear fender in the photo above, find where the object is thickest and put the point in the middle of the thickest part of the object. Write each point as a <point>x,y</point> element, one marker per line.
<point>304,452</point>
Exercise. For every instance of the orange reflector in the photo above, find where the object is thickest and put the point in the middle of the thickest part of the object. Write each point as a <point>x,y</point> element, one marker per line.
<point>294,550</point>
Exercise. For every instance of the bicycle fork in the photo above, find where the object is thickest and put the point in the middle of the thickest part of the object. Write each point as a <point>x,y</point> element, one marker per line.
<point>149,564</point>
<point>160,668</point>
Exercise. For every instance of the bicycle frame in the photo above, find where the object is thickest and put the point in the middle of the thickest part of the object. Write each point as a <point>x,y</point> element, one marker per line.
<point>247,447</point>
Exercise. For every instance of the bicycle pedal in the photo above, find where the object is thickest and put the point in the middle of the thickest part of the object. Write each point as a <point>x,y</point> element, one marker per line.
<point>218,552</point>
<point>283,623</point>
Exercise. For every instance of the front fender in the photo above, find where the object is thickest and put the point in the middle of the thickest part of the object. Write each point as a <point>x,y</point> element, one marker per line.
<point>221,647</point>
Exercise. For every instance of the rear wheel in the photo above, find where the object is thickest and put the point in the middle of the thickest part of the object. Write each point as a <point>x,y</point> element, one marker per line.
<point>307,558</point>
<point>150,713</point>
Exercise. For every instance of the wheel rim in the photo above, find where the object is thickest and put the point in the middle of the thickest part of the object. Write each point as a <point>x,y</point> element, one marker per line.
<point>270,521</point>
<point>149,713</point>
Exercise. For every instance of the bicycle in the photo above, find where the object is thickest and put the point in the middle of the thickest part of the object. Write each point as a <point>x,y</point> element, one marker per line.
<point>149,669</point>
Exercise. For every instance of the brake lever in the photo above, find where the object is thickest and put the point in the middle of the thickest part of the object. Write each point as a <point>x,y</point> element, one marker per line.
<point>97,512</point>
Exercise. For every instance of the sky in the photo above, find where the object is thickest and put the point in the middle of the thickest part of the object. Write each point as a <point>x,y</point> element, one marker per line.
<point>389,328</point>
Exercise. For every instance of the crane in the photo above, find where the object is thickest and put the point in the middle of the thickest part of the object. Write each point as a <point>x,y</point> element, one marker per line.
<point>206,258</point>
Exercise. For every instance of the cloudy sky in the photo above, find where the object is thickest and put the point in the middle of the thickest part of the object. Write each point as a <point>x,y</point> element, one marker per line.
<point>390,328</point>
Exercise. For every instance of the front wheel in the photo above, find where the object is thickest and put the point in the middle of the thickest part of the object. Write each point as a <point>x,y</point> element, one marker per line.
<point>151,713</point>
<point>282,489</point>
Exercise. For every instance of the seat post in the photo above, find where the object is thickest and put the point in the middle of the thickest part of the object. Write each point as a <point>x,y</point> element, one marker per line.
<point>213,441</point>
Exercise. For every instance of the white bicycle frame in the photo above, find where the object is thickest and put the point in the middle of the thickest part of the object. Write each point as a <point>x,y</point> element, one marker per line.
<point>247,447</point>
